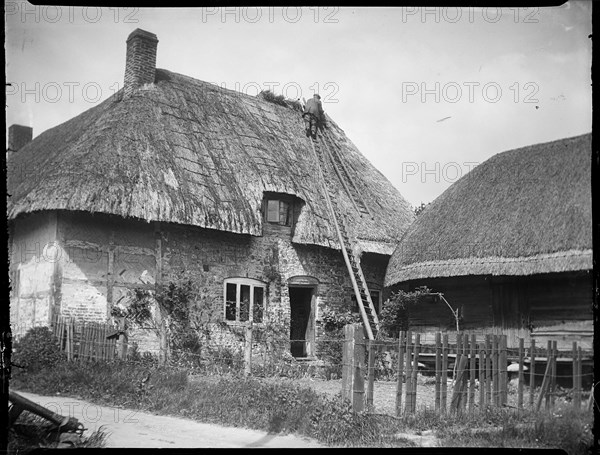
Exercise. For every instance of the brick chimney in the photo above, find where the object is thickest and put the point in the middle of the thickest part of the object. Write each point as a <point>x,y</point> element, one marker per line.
<point>140,64</point>
<point>18,137</point>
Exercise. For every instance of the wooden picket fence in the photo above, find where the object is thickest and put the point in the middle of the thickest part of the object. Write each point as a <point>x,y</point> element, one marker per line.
<point>83,340</point>
<point>479,369</point>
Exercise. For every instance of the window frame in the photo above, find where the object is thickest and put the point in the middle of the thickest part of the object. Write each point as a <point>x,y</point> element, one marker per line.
<point>253,284</point>
<point>286,206</point>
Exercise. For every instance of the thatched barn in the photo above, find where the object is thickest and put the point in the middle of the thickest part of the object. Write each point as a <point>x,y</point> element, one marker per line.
<point>175,174</point>
<point>509,245</point>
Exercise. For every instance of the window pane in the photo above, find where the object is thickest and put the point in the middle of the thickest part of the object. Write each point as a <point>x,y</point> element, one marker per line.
<point>244,302</point>
<point>230,302</point>
<point>273,211</point>
<point>257,312</point>
<point>284,213</point>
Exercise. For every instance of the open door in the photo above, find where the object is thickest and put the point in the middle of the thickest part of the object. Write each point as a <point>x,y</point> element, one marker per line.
<point>302,323</point>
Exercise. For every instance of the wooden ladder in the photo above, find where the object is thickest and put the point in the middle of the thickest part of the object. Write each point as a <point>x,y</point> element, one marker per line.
<point>333,150</point>
<point>352,260</point>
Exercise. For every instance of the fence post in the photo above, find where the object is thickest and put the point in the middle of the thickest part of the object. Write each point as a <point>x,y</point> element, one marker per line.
<point>545,381</point>
<point>400,373</point>
<point>248,350</point>
<point>472,374</point>
<point>444,391</point>
<point>495,399</point>
<point>371,374</point>
<point>504,370</point>
<point>481,358</point>
<point>579,375</point>
<point>358,382</point>
<point>409,347</point>
<point>554,373</point>
<point>347,355</point>
<point>413,405</point>
<point>458,385</point>
<point>438,367</point>
<point>574,355</point>
<point>488,370</point>
<point>521,376</point>
<point>532,374</point>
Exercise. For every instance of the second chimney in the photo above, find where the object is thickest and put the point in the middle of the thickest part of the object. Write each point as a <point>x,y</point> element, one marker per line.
<point>140,64</point>
<point>19,136</point>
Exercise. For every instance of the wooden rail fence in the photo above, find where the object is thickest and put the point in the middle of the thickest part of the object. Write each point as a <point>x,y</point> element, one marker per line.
<point>470,374</point>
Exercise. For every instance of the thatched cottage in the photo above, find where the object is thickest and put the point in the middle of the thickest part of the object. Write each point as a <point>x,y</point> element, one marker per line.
<point>509,245</point>
<point>175,174</point>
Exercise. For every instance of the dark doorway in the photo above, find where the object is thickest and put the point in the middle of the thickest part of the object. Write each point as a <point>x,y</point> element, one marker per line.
<point>301,323</point>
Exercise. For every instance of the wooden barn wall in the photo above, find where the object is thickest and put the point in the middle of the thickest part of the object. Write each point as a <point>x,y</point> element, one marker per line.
<point>548,306</point>
<point>33,254</point>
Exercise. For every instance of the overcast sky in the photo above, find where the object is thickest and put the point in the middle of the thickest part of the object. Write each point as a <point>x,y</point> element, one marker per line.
<point>425,94</point>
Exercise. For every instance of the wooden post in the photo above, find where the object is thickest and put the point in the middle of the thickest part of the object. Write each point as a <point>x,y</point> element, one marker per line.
<point>532,374</point>
<point>400,374</point>
<point>548,390</point>
<point>409,347</point>
<point>488,370</point>
<point>472,374</point>
<point>413,405</point>
<point>347,356</point>
<point>358,392</point>
<point>503,370</point>
<point>444,391</point>
<point>458,355</point>
<point>248,350</point>
<point>579,375</point>
<point>554,372</point>
<point>576,404</point>
<point>438,367</point>
<point>481,359</point>
<point>496,398</point>
<point>465,377</point>
<point>521,376</point>
<point>371,374</point>
<point>458,385</point>
<point>545,381</point>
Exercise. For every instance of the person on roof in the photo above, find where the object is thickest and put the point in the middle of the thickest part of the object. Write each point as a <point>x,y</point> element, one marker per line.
<point>314,117</point>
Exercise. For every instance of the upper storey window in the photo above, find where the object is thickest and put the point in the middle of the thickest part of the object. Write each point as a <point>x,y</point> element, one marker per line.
<point>281,209</point>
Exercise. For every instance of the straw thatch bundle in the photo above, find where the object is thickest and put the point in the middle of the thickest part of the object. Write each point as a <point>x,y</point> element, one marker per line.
<point>522,212</point>
<point>186,151</point>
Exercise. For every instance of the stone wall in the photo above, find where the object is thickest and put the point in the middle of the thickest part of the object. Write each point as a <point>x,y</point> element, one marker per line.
<point>102,258</point>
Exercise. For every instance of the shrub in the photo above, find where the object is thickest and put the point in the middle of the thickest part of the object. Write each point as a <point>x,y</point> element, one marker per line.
<point>329,348</point>
<point>395,312</point>
<point>38,348</point>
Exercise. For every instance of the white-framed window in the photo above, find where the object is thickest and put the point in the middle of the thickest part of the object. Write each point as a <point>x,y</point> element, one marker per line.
<point>244,300</point>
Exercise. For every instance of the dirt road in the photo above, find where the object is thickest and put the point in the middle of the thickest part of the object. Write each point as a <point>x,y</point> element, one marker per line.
<point>130,428</point>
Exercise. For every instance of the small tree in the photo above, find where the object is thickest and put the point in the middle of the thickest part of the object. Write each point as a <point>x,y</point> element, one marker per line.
<point>395,313</point>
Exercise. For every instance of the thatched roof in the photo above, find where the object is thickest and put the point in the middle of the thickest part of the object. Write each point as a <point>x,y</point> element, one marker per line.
<point>189,152</point>
<point>521,212</point>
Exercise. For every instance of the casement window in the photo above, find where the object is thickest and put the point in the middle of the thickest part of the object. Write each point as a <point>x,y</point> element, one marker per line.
<point>375,297</point>
<point>279,212</point>
<point>244,299</point>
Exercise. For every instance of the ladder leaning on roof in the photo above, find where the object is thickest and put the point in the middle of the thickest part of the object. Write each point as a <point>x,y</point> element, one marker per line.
<point>361,291</point>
